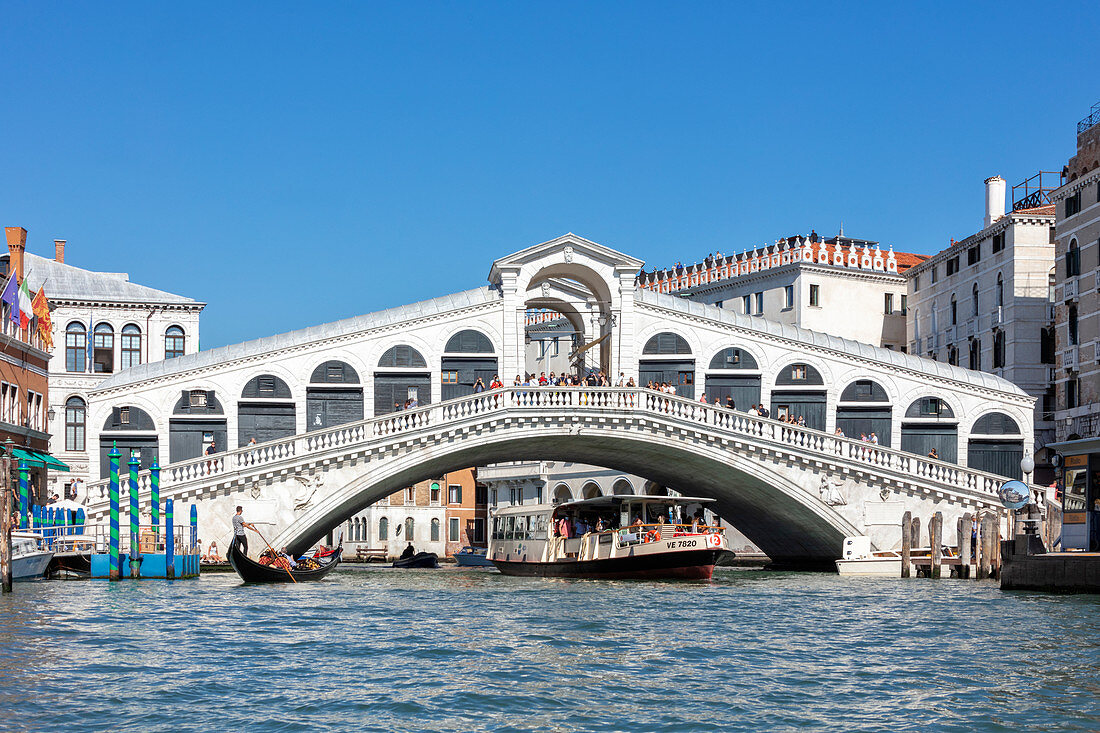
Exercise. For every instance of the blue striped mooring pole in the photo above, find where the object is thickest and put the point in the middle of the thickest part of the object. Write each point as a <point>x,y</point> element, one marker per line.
<point>23,502</point>
<point>135,550</point>
<point>114,455</point>
<point>154,488</point>
<point>194,528</point>
<point>169,540</point>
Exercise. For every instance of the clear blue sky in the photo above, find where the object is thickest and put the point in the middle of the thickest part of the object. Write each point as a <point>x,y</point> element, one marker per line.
<point>292,165</point>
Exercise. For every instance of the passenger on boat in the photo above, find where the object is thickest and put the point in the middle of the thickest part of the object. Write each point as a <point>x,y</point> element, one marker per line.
<point>288,559</point>
<point>637,521</point>
<point>409,552</point>
<point>599,525</point>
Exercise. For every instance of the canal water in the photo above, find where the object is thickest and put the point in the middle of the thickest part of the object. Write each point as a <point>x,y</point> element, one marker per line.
<point>457,650</point>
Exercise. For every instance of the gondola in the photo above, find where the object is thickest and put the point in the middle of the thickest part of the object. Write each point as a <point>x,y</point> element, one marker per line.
<point>419,560</point>
<point>253,572</point>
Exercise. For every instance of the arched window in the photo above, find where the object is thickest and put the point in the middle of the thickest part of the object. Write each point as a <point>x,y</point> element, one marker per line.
<point>1073,259</point>
<point>435,530</point>
<point>1071,323</point>
<point>622,487</point>
<point>469,342</point>
<point>562,494</point>
<point>175,342</point>
<point>935,318</point>
<point>402,356</point>
<point>103,349</point>
<point>974,300</point>
<point>75,415</point>
<point>383,529</point>
<point>410,529</point>
<point>954,311</point>
<point>1000,290</point>
<point>975,354</point>
<point>131,346</point>
<point>733,358</point>
<point>666,343</point>
<point>998,349</point>
<point>76,347</point>
<point>591,490</point>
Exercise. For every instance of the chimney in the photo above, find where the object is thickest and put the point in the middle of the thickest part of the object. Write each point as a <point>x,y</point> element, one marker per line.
<point>994,199</point>
<point>17,245</point>
<point>59,250</point>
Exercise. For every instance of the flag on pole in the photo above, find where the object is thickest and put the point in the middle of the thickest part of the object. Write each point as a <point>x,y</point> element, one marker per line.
<point>41,308</point>
<point>25,308</point>
<point>11,297</point>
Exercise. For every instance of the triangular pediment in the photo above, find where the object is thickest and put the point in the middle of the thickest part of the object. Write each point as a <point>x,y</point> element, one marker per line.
<point>555,248</point>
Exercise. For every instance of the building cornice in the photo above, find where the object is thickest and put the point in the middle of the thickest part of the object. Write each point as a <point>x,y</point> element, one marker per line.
<point>990,231</point>
<point>809,267</point>
<point>1073,187</point>
<point>127,305</point>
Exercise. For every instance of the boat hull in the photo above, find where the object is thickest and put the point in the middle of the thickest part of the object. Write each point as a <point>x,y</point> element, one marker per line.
<point>473,560</point>
<point>686,565</point>
<point>419,560</point>
<point>31,566</point>
<point>253,572</point>
<point>870,568</point>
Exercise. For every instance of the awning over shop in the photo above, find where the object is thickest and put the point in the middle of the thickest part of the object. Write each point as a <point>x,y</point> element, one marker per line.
<point>33,456</point>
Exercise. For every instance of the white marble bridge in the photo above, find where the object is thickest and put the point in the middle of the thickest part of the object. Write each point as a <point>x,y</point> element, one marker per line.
<point>796,492</point>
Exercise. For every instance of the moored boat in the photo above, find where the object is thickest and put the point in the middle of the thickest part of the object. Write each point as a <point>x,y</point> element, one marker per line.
<point>419,560</point>
<point>473,557</point>
<point>254,572</point>
<point>28,560</point>
<point>613,537</point>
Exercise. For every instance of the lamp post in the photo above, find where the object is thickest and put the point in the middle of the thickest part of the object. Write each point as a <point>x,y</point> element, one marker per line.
<point>1027,465</point>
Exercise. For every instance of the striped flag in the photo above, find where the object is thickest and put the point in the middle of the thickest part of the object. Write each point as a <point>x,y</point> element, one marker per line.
<point>25,309</point>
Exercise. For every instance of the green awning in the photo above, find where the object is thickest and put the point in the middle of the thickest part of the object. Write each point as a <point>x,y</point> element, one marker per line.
<point>33,456</point>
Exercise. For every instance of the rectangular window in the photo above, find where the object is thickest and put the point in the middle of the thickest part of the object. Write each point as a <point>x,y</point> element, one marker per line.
<point>974,254</point>
<point>687,379</point>
<point>798,372</point>
<point>904,304</point>
<point>935,273</point>
<point>1073,204</point>
<point>717,304</point>
<point>480,496</point>
<point>479,531</point>
<point>916,283</point>
<point>998,242</point>
<point>454,494</point>
<point>538,494</point>
<point>759,304</point>
<point>930,407</point>
<point>888,305</point>
<point>746,304</point>
<point>433,494</point>
<point>1072,393</point>
<point>815,296</point>
<point>124,415</point>
<point>952,266</point>
<point>452,530</point>
<point>452,377</point>
<point>410,495</point>
<point>788,297</point>
<point>198,398</point>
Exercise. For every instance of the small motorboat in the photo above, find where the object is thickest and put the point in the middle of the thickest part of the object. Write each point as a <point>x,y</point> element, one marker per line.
<point>473,557</point>
<point>419,560</point>
<point>28,561</point>
<point>254,572</point>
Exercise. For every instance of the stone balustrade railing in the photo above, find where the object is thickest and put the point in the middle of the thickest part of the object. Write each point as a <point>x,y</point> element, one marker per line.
<point>423,422</point>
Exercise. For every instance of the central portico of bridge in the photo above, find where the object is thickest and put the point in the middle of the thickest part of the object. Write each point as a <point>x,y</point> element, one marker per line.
<point>318,404</point>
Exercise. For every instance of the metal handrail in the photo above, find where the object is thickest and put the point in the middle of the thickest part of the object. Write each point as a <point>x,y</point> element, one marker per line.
<point>232,464</point>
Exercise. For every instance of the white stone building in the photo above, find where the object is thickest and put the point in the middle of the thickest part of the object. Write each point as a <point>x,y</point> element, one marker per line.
<point>102,325</point>
<point>984,304</point>
<point>842,286</point>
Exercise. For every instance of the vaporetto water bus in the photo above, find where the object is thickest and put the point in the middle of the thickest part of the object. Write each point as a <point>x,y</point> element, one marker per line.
<point>643,537</point>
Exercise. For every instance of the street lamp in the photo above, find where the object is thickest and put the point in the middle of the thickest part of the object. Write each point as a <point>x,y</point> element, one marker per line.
<point>51,414</point>
<point>1027,465</point>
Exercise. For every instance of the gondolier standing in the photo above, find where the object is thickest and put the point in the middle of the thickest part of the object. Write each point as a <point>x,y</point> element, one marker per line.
<point>239,525</point>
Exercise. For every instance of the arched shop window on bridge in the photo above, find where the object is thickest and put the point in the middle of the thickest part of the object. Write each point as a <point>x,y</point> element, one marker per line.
<point>562,494</point>
<point>266,410</point>
<point>996,445</point>
<point>197,422</point>
<point>864,409</point>
<point>666,357</point>
<point>467,356</point>
<point>402,375</point>
<point>800,392</point>
<point>136,435</point>
<point>622,487</point>
<point>734,373</point>
<point>333,396</point>
<point>930,423</point>
<point>591,490</point>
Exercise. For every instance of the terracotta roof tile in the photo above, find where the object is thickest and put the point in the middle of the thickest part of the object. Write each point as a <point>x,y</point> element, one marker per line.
<point>1044,210</point>
<point>908,259</point>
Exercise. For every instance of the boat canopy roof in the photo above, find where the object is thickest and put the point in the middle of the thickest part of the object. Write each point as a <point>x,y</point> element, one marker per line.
<point>607,502</point>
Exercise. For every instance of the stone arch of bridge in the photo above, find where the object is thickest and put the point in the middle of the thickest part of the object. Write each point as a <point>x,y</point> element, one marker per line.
<point>780,512</point>
<point>588,278</point>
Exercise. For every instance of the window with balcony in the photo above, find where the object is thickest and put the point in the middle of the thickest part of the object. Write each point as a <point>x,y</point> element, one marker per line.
<point>1073,259</point>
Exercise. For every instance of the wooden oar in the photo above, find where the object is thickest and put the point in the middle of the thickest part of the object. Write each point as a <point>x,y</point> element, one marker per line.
<point>275,555</point>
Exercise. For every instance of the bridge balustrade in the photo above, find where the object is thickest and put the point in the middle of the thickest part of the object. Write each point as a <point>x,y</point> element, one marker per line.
<point>383,429</point>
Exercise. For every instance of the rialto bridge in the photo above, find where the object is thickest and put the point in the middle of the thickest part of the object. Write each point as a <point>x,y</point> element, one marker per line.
<point>308,416</point>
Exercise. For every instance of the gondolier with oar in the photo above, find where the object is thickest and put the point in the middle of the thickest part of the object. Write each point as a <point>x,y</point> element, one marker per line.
<point>239,526</point>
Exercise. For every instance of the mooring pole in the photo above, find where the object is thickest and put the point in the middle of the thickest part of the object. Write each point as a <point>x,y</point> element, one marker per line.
<point>906,543</point>
<point>169,541</point>
<point>964,545</point>
<point>115,572</point>
<point>935,531</point>
<point>5,522</point>
<point>154,488</point>
<point>24,504</point>
<point>984,545</point>
<point>135,548</point>
<point>194,527</point>
<point>914,535</point>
